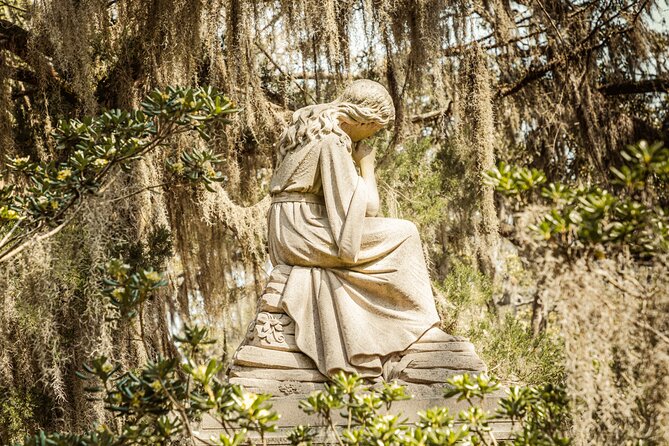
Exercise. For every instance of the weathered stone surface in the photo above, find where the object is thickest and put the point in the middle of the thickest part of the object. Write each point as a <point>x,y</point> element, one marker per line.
<point>453,360</point>
<point>274,288</point>
<point>288,344</point>
<point>303,375</point>
<point>278,388</point>
<point>430,376</point>
<point>308,201</point>
<point>434,334</point>
<point>456,346</point>
<point>277,279</point>
<point>321,280</point>
<point>292,416</point>
<point>280,273</point>
<point>270,302</point>
<point>273,359</point>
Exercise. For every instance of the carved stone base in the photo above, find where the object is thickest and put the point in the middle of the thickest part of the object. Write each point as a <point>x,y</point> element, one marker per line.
<point>269,361</point>
<point>292,416</point>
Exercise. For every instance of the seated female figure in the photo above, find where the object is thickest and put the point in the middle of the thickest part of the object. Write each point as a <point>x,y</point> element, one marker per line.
<point>358,289</point>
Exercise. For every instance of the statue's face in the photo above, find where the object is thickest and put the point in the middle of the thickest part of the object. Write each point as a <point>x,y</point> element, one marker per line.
<point>357,131</point>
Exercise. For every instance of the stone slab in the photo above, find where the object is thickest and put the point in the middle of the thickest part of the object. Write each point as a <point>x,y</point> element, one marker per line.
<point>275,287</point>
<point>279,388</point>
<point>444,359</point>
<point>434,334</point>
<point>456,346</point>
<point>430,376</point>
<point>302,375</point>
<point>251,356</point>
<point>292,416</point>
<point>270,302</point>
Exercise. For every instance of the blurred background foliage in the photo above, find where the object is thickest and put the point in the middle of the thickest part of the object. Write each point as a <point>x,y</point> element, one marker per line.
<point>517,150</point>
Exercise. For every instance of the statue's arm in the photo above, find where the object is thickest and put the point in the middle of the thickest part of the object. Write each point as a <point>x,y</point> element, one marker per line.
<point>346,196</point>
<point>365,155</point>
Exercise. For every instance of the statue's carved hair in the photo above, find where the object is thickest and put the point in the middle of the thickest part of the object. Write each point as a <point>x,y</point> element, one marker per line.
<point>363,101</point>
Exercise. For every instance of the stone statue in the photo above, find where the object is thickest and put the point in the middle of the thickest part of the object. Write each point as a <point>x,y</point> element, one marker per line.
<point>349,291</point>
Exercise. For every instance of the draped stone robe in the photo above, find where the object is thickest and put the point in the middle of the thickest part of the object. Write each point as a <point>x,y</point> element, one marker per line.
<point>359,288</point>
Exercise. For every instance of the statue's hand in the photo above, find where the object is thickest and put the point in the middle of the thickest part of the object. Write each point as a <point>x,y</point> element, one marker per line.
<point>363,153</point>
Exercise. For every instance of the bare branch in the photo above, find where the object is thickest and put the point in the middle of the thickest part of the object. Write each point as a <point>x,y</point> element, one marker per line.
<point>658,85</point>
<point>31,241</point>
<point>446,111</point>
<point>550,20</point>
<point>658,333</point>
<point>131,194</point>
<point>539,72</point>
<point>278,67</point>
<point>9,234</point>
<point>15,39</point>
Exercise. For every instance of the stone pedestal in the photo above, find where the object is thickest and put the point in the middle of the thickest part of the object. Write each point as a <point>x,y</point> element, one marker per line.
<point>292,416</point>
<point>269,361</point>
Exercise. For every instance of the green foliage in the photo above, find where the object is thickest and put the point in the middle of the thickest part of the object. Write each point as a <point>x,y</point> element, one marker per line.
<point>102,437</point>
<point>539,414</point>
<point>145,254</point>
<point>509,347</point>
<point>302,435</point>
<point>410,176</point>
<point>158,403</point>
<point>17,411</point>
<point>512,180</point>
<point>466,285</point>
<point>467,387</point>
<point>128,289</point>
<point>504,341</point>
<point>360,404</point>
<point>93,147</point>
<point>633,214</point>
<point>198,167</point>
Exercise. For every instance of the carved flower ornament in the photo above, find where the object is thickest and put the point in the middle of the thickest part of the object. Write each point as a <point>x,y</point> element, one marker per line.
<point>269,327</point>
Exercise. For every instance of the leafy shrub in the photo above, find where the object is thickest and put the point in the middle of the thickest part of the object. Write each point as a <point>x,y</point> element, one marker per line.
<point>598,256</point>
<point>16,413</point>
<point>41,195</point>
<point>158,403</point>
<point>513,352</point>
<point>503,340</point>
<point>632,213</point>
<point>411,176</point>
<point>539,414</point>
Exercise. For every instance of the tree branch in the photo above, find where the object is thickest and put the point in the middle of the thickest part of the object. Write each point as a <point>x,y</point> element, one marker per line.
<point>14,7</point>
<point>658,85</point>
<point>446,111</point>
<point>539,72</point>
<point>31,241</point>
<point>278,67</point>
<point>143,189</point>
<point>551,21</point>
